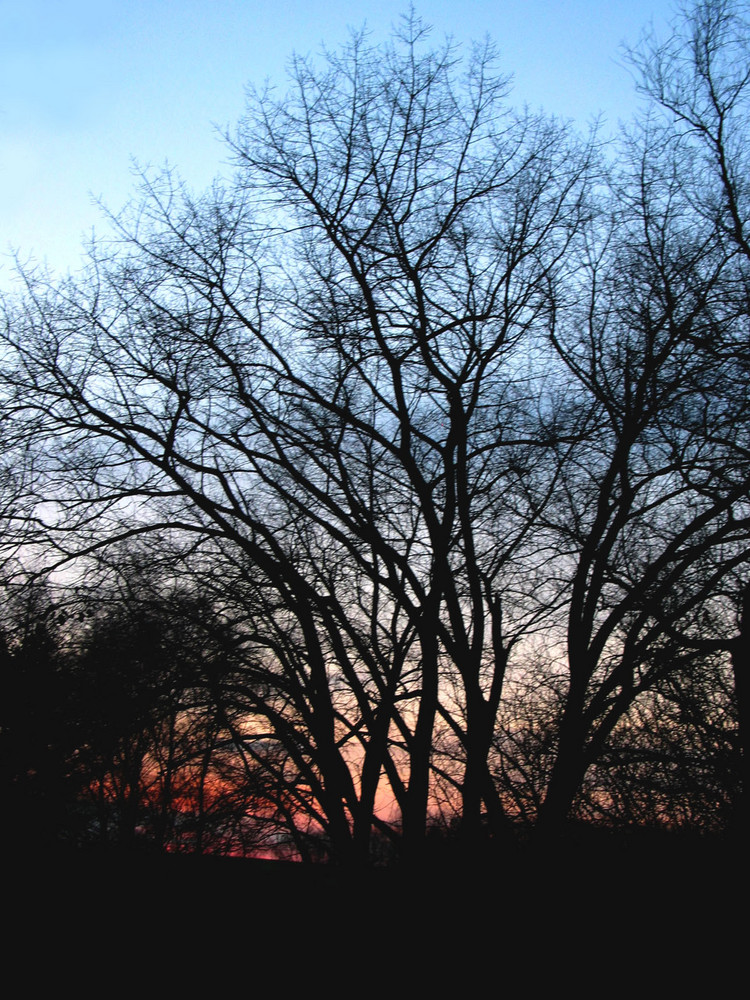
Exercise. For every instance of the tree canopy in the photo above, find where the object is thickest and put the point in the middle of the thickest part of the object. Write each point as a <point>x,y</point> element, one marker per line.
<point>440,408</point>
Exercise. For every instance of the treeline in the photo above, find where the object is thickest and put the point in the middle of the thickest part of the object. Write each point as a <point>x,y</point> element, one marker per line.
<point>127,719</point>
<point>122,724</point>
<point>431,429</point>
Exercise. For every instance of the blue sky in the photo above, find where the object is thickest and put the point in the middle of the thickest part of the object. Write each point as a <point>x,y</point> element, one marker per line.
<point>86,87</point>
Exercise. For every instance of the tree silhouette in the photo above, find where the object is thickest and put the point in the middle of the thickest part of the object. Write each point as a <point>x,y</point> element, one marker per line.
<point>37,736</point>
<point>435,397</point>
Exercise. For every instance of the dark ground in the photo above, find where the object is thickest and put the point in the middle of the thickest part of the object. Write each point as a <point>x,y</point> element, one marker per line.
<point>601,918</point>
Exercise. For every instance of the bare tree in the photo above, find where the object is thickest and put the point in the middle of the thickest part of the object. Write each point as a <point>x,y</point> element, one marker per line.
<point>427,388</point>
<point>326,371</point>
<point>654,500</point>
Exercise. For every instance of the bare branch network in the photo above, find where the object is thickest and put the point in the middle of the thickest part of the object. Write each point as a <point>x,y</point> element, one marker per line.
<point>425,440</point>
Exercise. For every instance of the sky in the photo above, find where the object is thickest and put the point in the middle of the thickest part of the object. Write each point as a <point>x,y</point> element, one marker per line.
<point>88,88</point>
